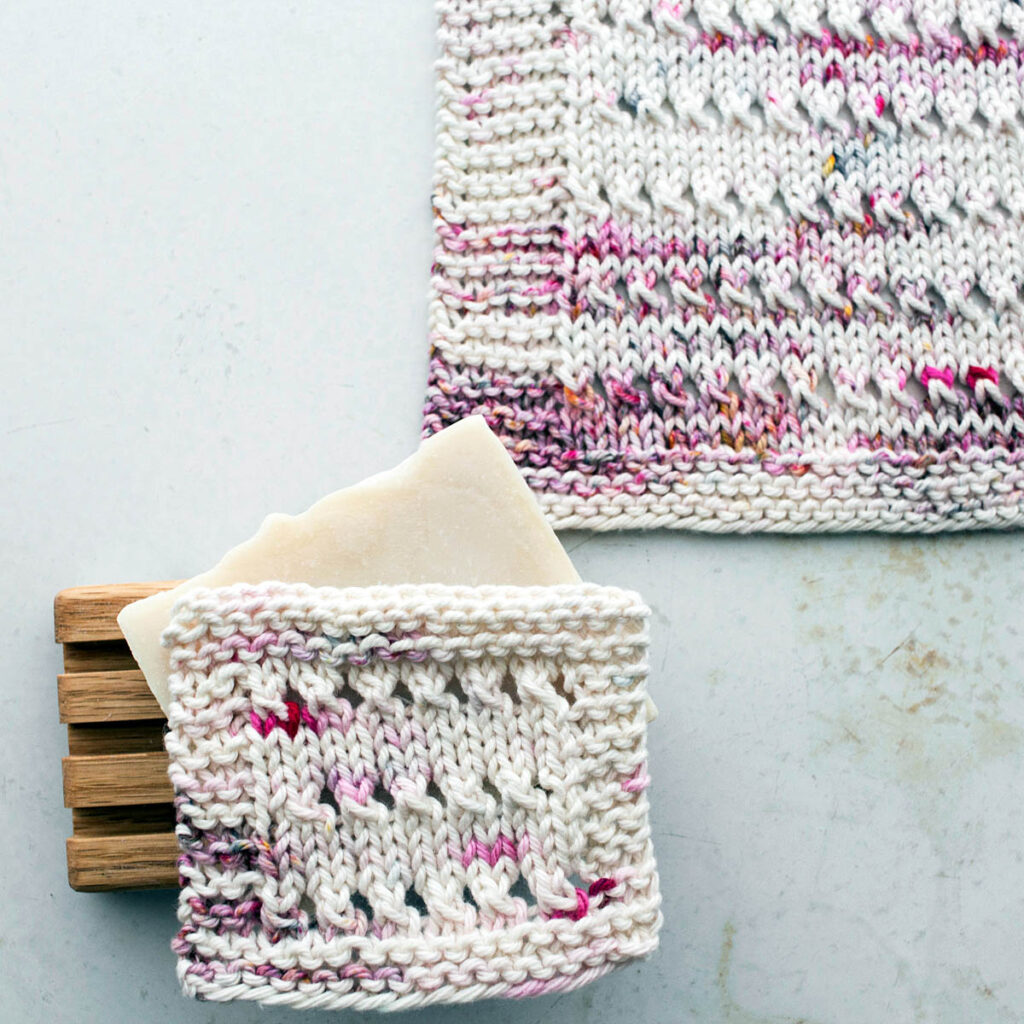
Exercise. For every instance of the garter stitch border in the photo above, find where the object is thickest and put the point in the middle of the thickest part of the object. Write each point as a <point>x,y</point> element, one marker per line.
<point>398,796</point>
<point>736,264</point>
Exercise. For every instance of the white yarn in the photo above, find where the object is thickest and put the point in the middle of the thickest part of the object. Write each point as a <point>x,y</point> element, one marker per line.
<point>335,751</point>
<point>736,265</point>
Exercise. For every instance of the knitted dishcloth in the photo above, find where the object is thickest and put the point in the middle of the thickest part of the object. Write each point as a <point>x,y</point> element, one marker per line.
<point>397,796</point>
<point>736,264</point>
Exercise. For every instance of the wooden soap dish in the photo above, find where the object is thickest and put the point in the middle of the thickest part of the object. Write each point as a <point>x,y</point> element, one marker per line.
<point>115,774</point>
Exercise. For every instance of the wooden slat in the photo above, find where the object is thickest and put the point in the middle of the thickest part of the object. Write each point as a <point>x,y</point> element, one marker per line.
<point>100,863</point>
<point>121,696</point>
<point>115,776</point>
<point>100,656</point>
<point>88,614</point>
<point>122,821</point>
<point>104,780</point>
<point>116,738</point>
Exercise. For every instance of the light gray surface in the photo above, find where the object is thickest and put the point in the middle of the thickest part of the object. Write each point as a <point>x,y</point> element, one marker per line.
<point>214,242</point>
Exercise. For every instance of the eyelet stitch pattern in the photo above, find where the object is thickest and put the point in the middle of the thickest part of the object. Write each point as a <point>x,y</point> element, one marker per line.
<point>397,796</point>
<point>736,265</point>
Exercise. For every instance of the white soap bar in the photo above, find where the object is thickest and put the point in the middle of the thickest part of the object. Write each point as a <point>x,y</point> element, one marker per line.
<point>457,511</point>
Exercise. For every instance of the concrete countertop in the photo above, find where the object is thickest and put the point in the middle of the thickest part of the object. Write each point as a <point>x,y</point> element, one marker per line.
<point>214,246</point>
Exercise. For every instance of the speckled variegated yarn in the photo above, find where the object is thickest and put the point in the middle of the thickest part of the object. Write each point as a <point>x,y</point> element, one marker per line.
<point>398,796</point>
<point>749,265</point>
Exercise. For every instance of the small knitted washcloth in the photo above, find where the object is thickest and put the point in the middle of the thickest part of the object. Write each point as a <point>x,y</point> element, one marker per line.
<point>737,264</point>
<point>397,796</point>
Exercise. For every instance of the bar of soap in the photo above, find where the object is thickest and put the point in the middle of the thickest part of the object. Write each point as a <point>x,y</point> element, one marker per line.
<point>457,511</point>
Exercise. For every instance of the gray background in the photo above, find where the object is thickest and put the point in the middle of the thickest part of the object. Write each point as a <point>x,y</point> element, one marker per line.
<point>214,250</point>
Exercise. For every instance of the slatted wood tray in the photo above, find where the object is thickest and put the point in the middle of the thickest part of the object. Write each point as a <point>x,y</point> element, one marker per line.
<point>115,774</point>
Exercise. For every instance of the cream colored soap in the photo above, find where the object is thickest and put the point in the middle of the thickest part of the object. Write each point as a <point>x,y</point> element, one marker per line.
<point>457,511</point>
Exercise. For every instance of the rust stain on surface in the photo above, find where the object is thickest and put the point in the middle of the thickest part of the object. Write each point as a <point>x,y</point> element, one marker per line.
<point>732,1011</point>
<point>916,660</point>
<point>935,693</point>
<point>725,959</point>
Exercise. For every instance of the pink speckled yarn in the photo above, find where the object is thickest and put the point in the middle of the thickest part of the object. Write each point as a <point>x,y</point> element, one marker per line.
<point>400,796</point>
<point>737,264</point>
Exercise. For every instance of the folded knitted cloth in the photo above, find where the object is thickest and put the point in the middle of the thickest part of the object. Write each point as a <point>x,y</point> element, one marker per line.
<point>397,796</point>
<point>736,264</point>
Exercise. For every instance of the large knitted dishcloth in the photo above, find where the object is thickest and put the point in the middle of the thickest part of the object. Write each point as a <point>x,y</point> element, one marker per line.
<point>748,265</point>
<point>407,795</point>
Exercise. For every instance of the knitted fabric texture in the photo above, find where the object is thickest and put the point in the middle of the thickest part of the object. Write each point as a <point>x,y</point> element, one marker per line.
<point>747,265</point>
<point>398,796</point>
